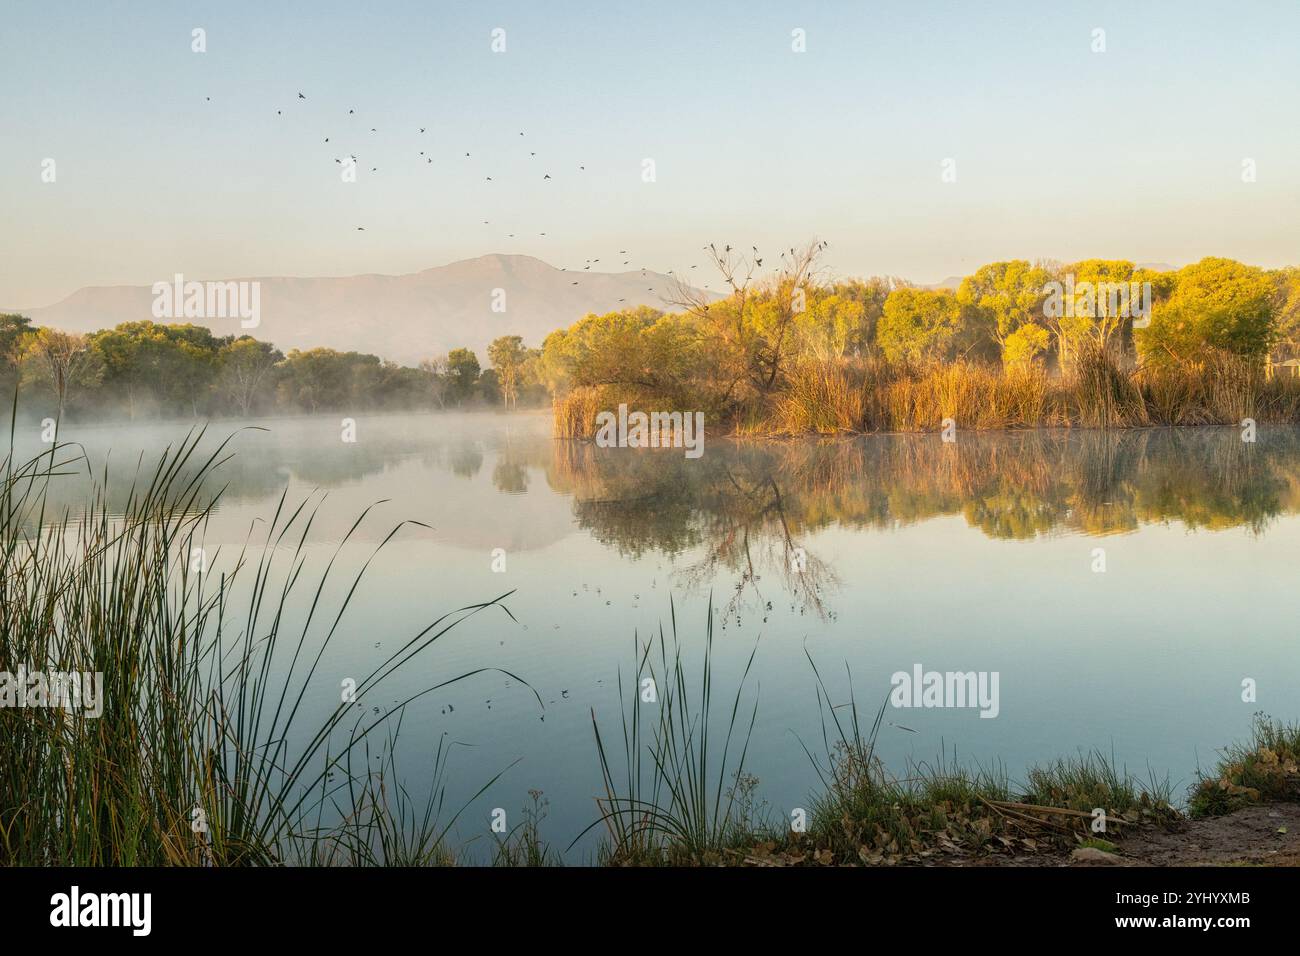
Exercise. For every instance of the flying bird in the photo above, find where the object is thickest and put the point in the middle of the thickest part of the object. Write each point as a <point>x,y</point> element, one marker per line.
<point>301,97</point>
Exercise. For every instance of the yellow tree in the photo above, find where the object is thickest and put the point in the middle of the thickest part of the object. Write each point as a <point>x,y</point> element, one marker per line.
<point>1006,295</point>
<point>1217,304</point>
<point>507,355</point>
<point>919,324</point>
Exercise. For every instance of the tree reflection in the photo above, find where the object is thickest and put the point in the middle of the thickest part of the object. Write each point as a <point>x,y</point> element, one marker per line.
<point>751,510</point>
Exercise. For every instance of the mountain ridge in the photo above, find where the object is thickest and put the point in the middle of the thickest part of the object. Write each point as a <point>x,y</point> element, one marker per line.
<point>404,316</point>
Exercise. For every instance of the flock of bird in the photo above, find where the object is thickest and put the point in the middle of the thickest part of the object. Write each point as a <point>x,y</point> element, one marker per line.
<point>423,154</point>
<point>545,176</point>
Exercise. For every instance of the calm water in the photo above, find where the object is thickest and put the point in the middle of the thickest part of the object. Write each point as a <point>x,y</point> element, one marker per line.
<point>977,556</point>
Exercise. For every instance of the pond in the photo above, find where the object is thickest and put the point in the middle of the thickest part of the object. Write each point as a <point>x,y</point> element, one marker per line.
<point>1121,588</point>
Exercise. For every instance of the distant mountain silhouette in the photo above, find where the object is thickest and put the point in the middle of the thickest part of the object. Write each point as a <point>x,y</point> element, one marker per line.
<point>404,318</point>
<point>949,283</point>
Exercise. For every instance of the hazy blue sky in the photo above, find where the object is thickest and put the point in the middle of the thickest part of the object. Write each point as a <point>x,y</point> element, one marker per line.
<point>1060,152</point>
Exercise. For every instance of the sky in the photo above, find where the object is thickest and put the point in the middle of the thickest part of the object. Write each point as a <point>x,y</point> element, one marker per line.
<point>1059,152</point>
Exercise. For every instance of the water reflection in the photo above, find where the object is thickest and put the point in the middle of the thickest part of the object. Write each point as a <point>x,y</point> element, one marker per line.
<point>749,509</point>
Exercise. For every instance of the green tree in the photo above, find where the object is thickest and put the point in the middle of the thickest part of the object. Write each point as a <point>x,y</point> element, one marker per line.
<point>463,371</point>
<point>15,332</point>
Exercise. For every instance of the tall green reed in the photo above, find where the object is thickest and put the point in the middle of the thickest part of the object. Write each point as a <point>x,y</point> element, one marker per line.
<point>670,800</point>
<point>204,753</point>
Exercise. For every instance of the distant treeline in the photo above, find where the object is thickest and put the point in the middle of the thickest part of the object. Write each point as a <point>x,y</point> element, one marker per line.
<point>1016,343</point>
<point>145,369</point>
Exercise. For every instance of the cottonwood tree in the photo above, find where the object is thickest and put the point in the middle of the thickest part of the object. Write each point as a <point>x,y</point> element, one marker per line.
<point>919,325</point>
<point>439,384</point>
<point>463,372</point>
<point>246,367</point>
<point>507,355</point>
<point>62,355</point>
<point>1216,305</point>
<point>753,326</point>
<point>1005,296</point>
<point>15,332</point>
<point>1287,313</point>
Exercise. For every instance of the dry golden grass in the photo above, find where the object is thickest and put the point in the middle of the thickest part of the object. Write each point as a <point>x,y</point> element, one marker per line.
<point>821,396</point>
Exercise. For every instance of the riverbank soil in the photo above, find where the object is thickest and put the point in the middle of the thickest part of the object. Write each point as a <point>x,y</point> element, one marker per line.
<point>1264,835</point>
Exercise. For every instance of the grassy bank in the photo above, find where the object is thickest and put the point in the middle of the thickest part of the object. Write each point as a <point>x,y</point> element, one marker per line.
<point>1264,769</point>
<point>677,791</point>
<point>846,396</point>
<point>673,797</point>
